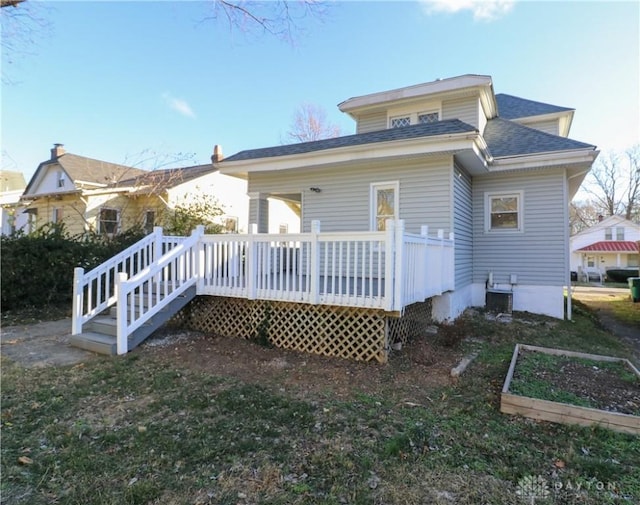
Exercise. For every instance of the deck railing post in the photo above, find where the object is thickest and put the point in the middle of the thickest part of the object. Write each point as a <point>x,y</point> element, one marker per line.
<point>441,262</point>
<point>251,259</point>
<point>315,263</point>
<point>399,265</point>
<point>78,301</point>
<point>157,244</point>
<point>451,264</point>
<point>121,315</point>
<point>389,262</point>
<point>424,232</point>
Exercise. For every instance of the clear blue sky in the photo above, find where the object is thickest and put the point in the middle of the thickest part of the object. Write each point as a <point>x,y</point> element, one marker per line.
<point>111,79</point>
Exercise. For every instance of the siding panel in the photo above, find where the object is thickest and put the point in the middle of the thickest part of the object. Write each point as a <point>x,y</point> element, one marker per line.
<point>536,255</point>
<point>462,228</point>
<point>372,122</point>
<point>464,109</point>
<point>343,204</point>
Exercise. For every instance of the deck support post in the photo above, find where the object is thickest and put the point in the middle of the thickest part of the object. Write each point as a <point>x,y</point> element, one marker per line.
<point>315,263</point>
<point>251,258</point>
<point>78,301</point>
<point>121,315</point>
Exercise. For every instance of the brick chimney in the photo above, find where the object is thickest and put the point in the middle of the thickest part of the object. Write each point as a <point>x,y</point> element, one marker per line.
<point>217,154</point>
<point>57,151</point>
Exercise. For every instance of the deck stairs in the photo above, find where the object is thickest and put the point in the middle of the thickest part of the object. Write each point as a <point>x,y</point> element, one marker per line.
<point>99,334</point>
<point>118,304</point>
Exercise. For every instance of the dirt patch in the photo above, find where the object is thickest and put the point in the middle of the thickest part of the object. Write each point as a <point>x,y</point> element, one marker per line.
<point>41,344</point>
<point>409,373</point>
<point>601,385</point>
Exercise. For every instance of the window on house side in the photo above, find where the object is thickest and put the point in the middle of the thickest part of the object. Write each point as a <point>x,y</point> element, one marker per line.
<point>149,221</point>
<point>109,221</point>
<point>504,212</point>
<point>384,204</point>
<point>633,260</point>
<point>283,228</point>
<point>608,234</point>
<point>61,179</point>
<point>620,233</point>
<point>398,122</point>
<point>57,215</point>
<point>230,224</point>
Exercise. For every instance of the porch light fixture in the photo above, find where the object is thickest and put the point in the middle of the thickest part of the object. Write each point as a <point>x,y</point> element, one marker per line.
<point>315,190</point>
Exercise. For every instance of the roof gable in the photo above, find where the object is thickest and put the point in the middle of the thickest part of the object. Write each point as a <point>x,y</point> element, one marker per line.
<point>609,222</point>
<point>506,138</point>
<point>79,170</point>
<point>514,107</point>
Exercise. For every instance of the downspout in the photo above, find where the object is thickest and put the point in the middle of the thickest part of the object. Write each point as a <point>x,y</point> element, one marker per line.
<point>567,262</point>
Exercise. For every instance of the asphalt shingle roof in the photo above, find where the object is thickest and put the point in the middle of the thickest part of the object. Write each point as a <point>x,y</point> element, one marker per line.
<point>514,107</point>
<point>84,169</point>
<point>448,127</point>
<point>167,178</point>
<point>506,138</point>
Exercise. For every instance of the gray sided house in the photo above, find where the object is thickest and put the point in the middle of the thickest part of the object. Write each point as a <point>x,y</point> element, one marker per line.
<point>496,171</point>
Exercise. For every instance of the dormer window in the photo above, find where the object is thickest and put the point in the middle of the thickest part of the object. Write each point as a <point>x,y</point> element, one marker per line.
<point>399,122</point>
<point>428,117</point>
<point>412,118</point>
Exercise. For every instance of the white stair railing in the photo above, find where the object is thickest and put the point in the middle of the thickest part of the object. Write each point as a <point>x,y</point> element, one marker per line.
<point>94,291</point>
<point>150,290</point>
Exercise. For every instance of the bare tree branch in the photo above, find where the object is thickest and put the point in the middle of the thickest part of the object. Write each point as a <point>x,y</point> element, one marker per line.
<point>23,25</point>
<point>614,184</point>
<point>310,123</point>
<point>280,18</point>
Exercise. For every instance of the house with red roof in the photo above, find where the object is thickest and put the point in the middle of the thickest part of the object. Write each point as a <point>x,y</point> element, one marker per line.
<point>614,242</point>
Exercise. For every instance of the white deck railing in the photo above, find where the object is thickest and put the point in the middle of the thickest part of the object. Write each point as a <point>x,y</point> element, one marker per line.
<point>386,270</point>
<point>94,291</point>
<point>153,288</point>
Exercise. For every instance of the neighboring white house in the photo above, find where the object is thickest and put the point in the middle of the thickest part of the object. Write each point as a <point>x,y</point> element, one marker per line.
<point>12,215</point>
<point>496,170</point>
<point>613,242</point>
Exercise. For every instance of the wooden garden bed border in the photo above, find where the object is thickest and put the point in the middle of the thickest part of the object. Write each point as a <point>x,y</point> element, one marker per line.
<point>562,412</point>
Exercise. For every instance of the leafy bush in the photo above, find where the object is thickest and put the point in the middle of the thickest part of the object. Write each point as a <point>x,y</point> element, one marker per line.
<point>37,269</point>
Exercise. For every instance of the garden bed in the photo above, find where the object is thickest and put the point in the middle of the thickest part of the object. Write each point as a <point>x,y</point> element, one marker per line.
<point>572,388</point>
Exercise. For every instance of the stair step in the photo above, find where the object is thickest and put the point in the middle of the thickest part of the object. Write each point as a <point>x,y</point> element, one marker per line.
<point>95,342</point>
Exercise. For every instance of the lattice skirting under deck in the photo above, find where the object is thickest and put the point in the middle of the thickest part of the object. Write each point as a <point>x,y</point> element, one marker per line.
<point>346,332</point>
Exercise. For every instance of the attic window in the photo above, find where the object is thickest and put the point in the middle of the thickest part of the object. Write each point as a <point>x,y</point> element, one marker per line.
<point>428,117</point>
<point>399,122</point>
<point>61,179</point>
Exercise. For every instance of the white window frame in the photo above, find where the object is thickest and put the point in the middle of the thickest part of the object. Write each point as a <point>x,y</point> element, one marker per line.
<point>620,233</point>
<point>608,233</point>
<point>488,197</point>
<point>61,179</point>
<point>373,201</point>
<point>400,117</point>
<point>118,221</point>
<point>412,113</point>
